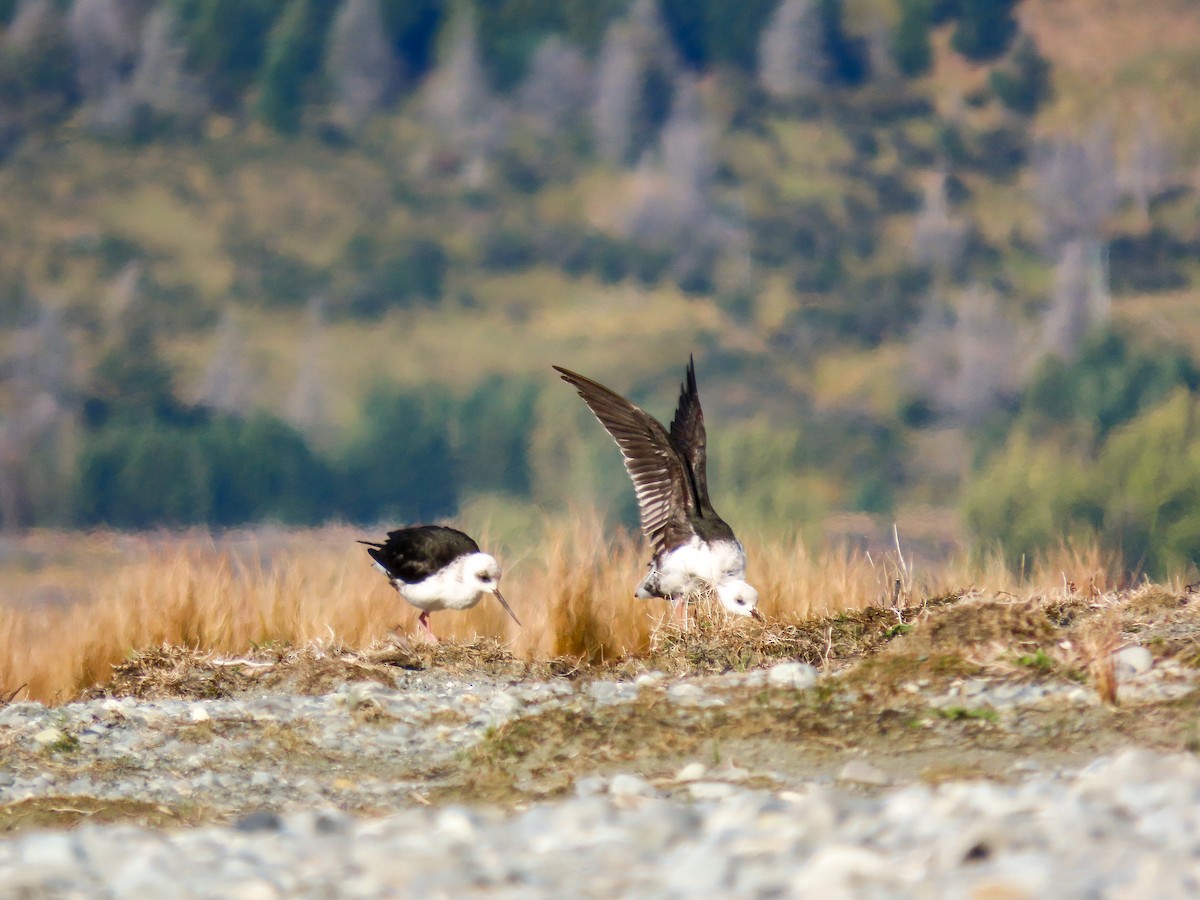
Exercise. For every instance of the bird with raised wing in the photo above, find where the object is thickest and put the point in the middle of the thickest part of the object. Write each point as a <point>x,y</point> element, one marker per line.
<point>694,548</point>
<point>435,567</point>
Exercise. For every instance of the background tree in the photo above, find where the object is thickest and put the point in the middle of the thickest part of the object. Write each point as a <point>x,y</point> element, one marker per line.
<point>413,27</point>
<point>459,104</point>
<point>985,28</point>
<point>910,42</point>
<point>637,67</point>
<point>791,51</point>
<point>226,41</point>
<point>38,75</point>
<point>1023,82</point>
<point>226,385</point>
<point>938,240</point>
<point>289,58</point>
<point>102,40</point>
<point>556,92</point>
<point>359,61</point>
<point>1149,162</point>
<point>160,83</point>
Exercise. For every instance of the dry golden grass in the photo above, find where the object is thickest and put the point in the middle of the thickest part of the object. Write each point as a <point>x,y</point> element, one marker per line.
<point>115,595</point>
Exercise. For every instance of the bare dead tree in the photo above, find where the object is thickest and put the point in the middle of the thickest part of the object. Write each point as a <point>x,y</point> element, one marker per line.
<point>938,240</point>
<point>226,385</point>
<point>160,81</point>
<point>1080,301</point>
<point>35,430</point>
<point>1149,163</point>
<point>32,23</point>
<point>674,208</point>
<point>307,406</point>
<point>1077,194</point>
<point>968,356</point>
<point>104,47</point>
<point>791,55</point>
<point>637,54</point>
<point>1076,185</point>
<point>617,80</point>
<point>558,88</point>
<point>26,450</point>
<point>990,355</point>
<point>359,61</point>
<point>467,120</point>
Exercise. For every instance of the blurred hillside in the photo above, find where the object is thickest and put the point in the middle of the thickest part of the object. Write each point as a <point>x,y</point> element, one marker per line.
<point>937,260</point>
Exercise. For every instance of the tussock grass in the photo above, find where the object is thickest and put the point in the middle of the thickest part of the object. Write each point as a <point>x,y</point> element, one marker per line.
<point>308,603</point>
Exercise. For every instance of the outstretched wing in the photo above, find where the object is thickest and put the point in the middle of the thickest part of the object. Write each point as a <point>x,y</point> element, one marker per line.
<point>658,471</point>
<point>687,432</point>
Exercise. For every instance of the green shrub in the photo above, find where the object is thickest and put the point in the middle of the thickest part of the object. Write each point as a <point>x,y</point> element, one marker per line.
<point>1023,499</point>
<point>490,431</point>
<point>1148,476</point>
<point>144,472</point>
<point>985,28</point>
<point>401,467</point>
<point>1140,493</point>
<point>1113,379</point>
<point>1024,84</point>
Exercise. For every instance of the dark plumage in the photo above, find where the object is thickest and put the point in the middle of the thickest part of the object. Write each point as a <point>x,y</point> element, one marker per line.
<point>435,567</point>
<point>413,554</point>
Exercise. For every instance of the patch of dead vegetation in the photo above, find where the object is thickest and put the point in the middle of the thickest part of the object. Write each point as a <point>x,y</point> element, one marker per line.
<point>38,813</point>
<point>170,672</point>
<point>714,643</point>
<point>1071,635</point>
<point>1067,634</point>
<point>783,736</point>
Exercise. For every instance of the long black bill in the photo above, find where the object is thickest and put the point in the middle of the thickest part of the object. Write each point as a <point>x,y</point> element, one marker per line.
<point>507,608</point>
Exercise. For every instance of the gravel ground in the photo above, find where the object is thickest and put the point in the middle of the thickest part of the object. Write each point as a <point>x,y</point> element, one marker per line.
<point>283,795</point>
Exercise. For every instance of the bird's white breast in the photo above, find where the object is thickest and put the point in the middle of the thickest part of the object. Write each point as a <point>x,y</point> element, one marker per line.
<point>696,565</point>
<point>448,589</point>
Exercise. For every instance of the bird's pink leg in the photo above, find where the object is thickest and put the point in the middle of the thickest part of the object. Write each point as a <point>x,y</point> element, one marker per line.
<point>681,613</point>
<point>424,620</point>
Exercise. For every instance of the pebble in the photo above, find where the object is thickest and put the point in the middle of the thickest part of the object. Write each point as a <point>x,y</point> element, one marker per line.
<point>859,771</point>
<point>625,785</point>
<point>693,771</point>
<point>1133,661</point>
<point>1130,820</point>
<point>797,675</point>
<point>688,694</point>
<point>48,736</point>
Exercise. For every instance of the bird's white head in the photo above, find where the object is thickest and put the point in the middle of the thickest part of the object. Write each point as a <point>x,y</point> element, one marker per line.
<point>739,598</point>
<point>483,572</point>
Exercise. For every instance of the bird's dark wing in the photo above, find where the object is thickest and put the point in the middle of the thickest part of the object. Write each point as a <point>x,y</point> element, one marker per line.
<point>413,554</point>
<point>660,479</point>
<point>687,432</point>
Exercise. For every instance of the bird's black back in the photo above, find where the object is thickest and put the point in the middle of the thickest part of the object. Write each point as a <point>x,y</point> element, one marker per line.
<point>413,554</point>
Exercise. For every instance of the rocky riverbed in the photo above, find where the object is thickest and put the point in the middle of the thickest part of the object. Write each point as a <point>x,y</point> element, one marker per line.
<point>907,772</point>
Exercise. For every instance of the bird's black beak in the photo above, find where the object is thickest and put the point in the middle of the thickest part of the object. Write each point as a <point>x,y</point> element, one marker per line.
<point>507,608</point>
<point>757,616</point>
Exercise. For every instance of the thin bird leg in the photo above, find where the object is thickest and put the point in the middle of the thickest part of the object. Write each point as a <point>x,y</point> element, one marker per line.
<point>423,618</point>
<point>681,611</point>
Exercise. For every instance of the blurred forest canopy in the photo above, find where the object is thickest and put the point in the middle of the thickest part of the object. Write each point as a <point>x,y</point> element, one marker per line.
<point>312,259</point>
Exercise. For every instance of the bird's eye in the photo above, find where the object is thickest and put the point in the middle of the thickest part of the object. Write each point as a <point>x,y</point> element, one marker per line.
<point>485,578</point>
<point>741,602</point>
